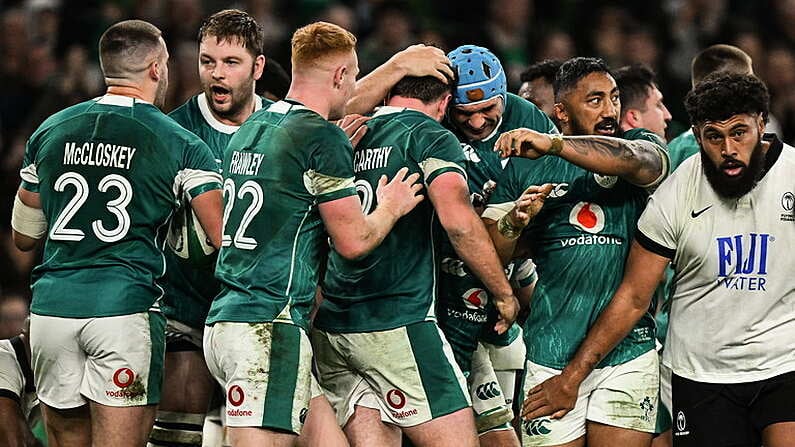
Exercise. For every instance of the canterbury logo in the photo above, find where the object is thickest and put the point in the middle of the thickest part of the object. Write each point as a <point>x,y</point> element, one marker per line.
<point>487,391</point>
<point>536,427</point>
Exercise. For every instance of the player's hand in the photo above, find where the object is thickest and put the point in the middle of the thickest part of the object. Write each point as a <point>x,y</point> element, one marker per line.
<point>508,309</point>
<point>401,194</point>
<point>529,204</point>
<point>354,127</point>
<point>523,142</point>
<point>553,397</point>
<point>422,60</point>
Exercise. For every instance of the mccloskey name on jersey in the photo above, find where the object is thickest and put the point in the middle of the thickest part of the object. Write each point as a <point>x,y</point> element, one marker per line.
<point>90,153</point>
<point>245,163</point>
<point>365,159</point>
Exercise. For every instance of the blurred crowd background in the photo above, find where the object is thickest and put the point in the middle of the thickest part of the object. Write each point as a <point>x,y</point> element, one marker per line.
<point>49,57</point>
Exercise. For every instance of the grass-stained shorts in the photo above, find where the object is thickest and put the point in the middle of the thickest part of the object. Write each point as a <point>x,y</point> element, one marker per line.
<point>265,370</point>
<point>407,373</point>
<point>115,361</point>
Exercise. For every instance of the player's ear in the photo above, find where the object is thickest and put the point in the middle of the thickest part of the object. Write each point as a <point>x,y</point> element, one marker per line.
<point>443,104</point>
<point>560,113</point>
<point>339,75</point>
<point>259,66</point>
<point>696,133</point>
<point>154,70</point>
<point>633,118</point>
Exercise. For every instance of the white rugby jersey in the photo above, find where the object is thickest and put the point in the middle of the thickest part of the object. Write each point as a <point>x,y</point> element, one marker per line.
<point>733,309</point>
<point>16,377</point>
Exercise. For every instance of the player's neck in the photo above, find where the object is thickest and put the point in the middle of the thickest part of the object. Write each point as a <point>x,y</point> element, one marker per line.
<point>312,96</point>
<point>415,104</point>
<point>130,91</point>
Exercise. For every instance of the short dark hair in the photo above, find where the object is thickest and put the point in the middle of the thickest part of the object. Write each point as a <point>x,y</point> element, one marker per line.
<point>634,82</point>
<point>546,69</point>
<point>723,95</point>
<point>573,70</point>
<point>125,47</point>
<point>719,58</point>
<point>426,88</point>
<point>274,80</point>
<point>234,25</point>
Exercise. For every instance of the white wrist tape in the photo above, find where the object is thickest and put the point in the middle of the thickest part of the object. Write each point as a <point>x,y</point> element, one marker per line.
<point>28,220</point>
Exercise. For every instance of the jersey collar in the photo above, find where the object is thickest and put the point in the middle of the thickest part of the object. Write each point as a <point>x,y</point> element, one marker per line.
<point>387,110</point>
<point>207,114</point>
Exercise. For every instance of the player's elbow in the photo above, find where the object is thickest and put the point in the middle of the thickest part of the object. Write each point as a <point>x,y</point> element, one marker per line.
<point>24,243</point>
<point>351,251</point>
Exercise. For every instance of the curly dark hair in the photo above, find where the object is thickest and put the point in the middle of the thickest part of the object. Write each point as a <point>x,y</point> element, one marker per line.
<point>234,25</point>
<point>573,70</point>
<point>723,95</point>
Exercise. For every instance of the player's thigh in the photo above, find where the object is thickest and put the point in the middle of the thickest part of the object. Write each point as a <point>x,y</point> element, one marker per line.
<point>601,435</point>
<point>499,437</point>
<point>626,395</point>
<point>121,426</point>
<point>320,426</point>
<point>259,437</point>
<point>265,371</point>
<point>124,359</point>
<point>187,383</point>
<point>57,360</point>
<point>545,431</point>
<point>456,429</point>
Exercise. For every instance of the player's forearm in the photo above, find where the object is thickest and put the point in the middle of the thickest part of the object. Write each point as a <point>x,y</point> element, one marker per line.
<point>639,162</point>
<point>622,314</point>
<point>503,245</point>
<point>208,208</point>
<point>375,228</point>
<point>373,88</point>
<point>473,246</point>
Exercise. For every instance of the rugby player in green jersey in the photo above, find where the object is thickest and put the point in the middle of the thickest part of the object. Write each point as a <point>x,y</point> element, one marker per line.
<point>477,120</point>
<point>580,243</point>
<point>230,61</point>
<point>381,356</point>
<point>100,181</point>
<point>289,189</point>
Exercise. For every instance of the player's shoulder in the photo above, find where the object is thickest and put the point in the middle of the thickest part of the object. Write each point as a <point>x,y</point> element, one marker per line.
<point>520,112</point>
<point>66,114</point>
<point>187,114</point>
<point>302,125</point>
<point>640,133</point>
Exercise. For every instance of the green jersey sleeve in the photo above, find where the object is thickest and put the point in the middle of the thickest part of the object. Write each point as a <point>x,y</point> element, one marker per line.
<point>440,152</point>
<point>201,172</point>
<point>331,174</point>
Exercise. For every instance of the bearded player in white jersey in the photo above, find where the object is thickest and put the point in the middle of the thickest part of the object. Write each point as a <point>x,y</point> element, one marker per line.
<point>726,221</point>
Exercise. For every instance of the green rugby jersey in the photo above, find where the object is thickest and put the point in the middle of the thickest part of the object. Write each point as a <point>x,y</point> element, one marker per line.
<point>581,240</point>
<point>283,162</point>
<point>189,283</point>
<point>457,285</point>
<point>394,285</point>
<point>110,172</point>
<point>483,164</point>
<point>682,147</point>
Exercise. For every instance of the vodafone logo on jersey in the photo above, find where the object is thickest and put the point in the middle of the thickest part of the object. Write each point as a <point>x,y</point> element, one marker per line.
<point>396,399</point>
<point>123,377</point>
<point>235,395</point>
<point>476,299</point>
<point>588,217</point>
